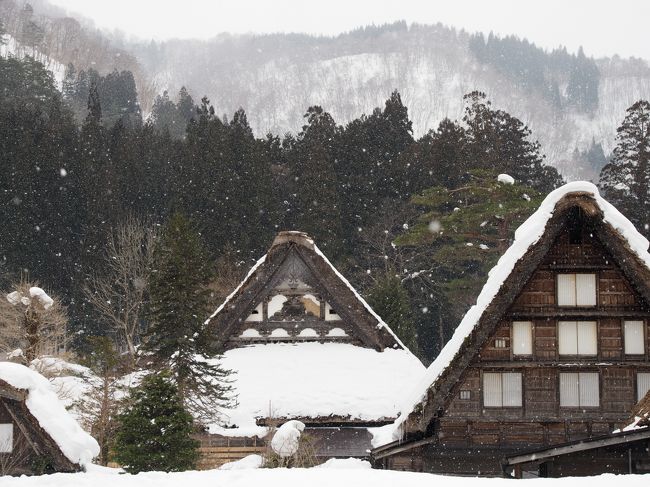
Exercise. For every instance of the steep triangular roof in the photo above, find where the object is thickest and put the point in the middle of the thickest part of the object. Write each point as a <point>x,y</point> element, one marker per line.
<point>297,247</point>
<point>49,429</point>
<point>533,240</point>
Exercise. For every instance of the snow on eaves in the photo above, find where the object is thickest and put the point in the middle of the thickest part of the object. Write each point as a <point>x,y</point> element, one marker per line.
<point>380,322</point>
<point>526,235</point>
<point>77,445</point>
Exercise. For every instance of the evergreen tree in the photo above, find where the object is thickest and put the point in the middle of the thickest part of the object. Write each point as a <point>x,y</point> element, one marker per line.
<point>626,179</point>
<point>178,307</point>
<point>316,208</point>
<point>500,142</point>
<point>390,300</point>
<point>155,429</point>
<point>463,231</point>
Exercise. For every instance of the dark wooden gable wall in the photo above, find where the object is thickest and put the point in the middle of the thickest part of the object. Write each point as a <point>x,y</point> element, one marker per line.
<point>294,270</point>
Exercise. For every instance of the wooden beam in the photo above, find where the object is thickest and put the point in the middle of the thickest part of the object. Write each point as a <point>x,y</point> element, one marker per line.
<point>616,439</point>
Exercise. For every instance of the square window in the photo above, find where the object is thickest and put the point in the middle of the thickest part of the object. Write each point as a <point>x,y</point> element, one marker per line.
<point>502,389</point>
<point>522,338</point>
<point>6,437</point>
<point>579,389</point>
<point>578,338</point>
<point>500,343</point>
<point>634,337</point>
<point>465,394</point>
<point>576,290</point>
<point>642,384</point>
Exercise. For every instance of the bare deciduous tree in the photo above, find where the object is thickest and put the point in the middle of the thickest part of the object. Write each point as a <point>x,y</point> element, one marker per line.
<point>120,292</point>
<point>32,320</point>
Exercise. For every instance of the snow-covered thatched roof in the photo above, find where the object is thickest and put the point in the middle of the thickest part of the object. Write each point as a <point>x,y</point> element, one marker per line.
<point>339,381</point>
<point>42,402</point>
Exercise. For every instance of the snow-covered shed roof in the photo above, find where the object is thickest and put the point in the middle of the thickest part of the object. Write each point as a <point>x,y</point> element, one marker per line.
<point>531,242</point>
<point>288,245</point>
<point>339,381</point>
<point>42,402</point>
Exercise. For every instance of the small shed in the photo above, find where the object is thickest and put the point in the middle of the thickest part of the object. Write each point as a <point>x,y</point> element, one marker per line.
<point>37,434</point>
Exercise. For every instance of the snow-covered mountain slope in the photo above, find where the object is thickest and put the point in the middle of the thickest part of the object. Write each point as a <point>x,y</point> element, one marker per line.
<point>10,47</point>
<point>276,78</point>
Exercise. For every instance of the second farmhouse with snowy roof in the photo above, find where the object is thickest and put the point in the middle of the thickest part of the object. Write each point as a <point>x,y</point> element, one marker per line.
<point>554,351</point>
<point>305,345</point>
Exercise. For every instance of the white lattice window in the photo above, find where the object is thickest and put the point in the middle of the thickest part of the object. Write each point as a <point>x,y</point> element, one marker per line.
<point>522,338</point>
<point>502,389</point>
<point>578,338</point>
<point>579,389</point>
<point>576,289</point>
<point>634,337</point>
<point>642,384</point>
<point>6,437</point>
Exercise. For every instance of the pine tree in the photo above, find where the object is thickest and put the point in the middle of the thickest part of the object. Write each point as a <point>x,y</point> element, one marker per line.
<point>626,179</point>
<point>390,300</point>
<point>464,231</point>
<point>178,307</point>
<point>155,429</point>
<point>500,142</point>
<point>317,208</point>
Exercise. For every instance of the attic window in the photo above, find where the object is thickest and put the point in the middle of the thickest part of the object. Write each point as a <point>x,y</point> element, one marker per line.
<point>578,338</point>
<point>500,343</point>
<point>465,395</point>
<point>6,437</point>
<point>642,384</point>
<point>502,389</point>
<point>576,289</point>
<point>522,338</point>
<point>579,389</point>
<point>634,339</point>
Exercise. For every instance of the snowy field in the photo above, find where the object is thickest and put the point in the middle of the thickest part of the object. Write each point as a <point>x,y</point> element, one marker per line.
<point>338,475</point>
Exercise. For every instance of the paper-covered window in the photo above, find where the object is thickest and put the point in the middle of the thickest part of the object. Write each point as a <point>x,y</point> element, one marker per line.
<point>579,389</point>
<point>634,337</point>
<point>502,389</point>
<point>522,338</point>
<point>576,290</point>
<point>578,338</point>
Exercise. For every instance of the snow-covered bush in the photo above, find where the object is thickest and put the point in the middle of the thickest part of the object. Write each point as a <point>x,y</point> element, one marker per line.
<point>289,447</point>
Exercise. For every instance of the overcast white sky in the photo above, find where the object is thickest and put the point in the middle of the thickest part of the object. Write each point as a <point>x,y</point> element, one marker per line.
<point>602,27</point>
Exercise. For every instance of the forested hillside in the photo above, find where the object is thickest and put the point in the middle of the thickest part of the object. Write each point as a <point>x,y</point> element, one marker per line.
<point>398,187</point>
<point>570,100</point>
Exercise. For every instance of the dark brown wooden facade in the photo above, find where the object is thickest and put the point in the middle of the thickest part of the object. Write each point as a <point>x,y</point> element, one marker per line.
<point>26,448</point>
<point>556,388</point>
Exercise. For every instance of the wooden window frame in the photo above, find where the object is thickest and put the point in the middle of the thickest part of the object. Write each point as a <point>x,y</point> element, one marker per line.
<point>501,372</point>
<point>644,330</point>
<point>636,384</point>
<point>522,356</point>
<point>579,407</point>
<point>574,306</point>
<point>577,356</point>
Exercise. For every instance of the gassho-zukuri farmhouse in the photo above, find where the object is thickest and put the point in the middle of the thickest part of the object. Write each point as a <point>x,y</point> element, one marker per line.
<point>542,375</point>
<point>304,345</point>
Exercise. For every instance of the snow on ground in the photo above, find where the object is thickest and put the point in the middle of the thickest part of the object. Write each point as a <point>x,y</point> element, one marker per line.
<point>313,477</point>
<point>526,235</point>
<point>316,379</point>
<point>78,446</point>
